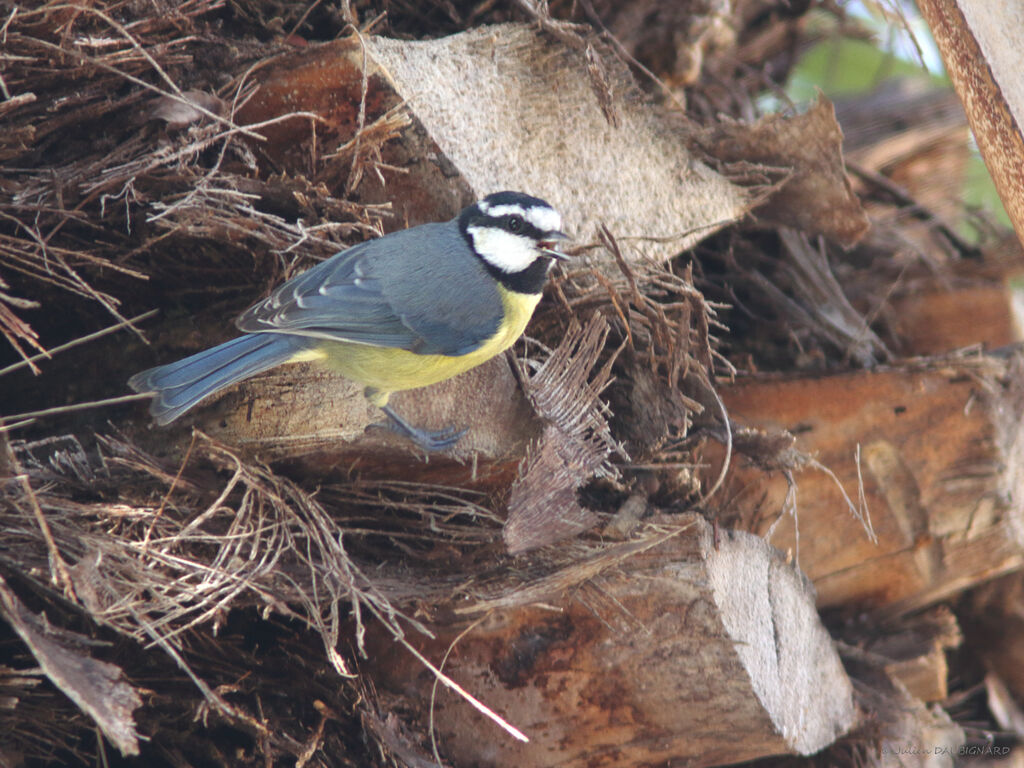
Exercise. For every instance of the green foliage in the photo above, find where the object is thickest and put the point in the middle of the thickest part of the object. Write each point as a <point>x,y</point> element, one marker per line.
<point>844,67</point>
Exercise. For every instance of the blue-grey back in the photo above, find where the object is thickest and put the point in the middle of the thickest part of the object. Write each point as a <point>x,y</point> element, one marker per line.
<point>420,289</point>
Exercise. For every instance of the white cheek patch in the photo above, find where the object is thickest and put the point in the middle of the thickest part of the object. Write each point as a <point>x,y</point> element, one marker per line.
<point>509,253</point>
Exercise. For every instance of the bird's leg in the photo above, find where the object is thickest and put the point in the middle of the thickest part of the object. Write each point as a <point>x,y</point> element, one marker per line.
<point>427,440</point>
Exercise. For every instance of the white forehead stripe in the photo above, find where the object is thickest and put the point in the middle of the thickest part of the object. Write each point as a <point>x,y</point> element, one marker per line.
<point>543,218</point>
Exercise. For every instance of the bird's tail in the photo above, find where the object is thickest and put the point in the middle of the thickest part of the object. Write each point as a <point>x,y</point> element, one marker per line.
<point>179,386</point>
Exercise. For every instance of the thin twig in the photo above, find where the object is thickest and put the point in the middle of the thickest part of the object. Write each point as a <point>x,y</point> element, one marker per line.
<point>728,449</point>
<point>476,703</point>
<point>60,576</point>
<point>170,490</point>
<point>433,689</point>
<point>4,426</point>
<point>77,342</point>
<point>176,95</point>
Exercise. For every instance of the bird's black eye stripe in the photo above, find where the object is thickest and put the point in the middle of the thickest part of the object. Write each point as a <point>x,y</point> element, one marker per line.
<point>514,223</point>
<point>517,225</point>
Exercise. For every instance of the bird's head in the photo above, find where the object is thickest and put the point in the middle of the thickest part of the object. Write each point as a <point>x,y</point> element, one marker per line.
<point>516,236</point>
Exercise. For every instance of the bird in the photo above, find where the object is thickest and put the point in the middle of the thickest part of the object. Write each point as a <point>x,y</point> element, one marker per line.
<point>403,311</point>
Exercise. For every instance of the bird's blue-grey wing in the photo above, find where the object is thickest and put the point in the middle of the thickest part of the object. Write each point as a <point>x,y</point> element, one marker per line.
<point>390,293</point>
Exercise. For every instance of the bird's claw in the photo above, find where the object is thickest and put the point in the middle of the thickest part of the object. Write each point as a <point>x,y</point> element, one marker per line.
<point>436,441</point>
<point>428,440</point>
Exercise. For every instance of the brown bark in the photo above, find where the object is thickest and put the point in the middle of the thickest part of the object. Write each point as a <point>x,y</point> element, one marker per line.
<point>940,462</point>
<point>918,736</point>
<point>915,651</point>
<point>981,50</point>
<point>694,649</point>
<point>321,425</point>
<point>941,321</point>
<point>994,624</point>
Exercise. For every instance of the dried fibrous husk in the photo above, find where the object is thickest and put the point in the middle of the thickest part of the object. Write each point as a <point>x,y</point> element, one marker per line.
<point>573,448</point>
<point>817,197</point>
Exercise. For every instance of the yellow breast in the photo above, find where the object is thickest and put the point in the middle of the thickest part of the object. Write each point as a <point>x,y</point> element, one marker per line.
<point>390,370</point>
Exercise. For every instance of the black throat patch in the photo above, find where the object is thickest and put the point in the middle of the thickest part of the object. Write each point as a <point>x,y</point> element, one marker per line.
<point>529,280</point>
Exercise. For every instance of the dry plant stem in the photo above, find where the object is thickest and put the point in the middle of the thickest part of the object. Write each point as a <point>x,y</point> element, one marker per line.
<point>353,176</point>
<point>96,687</point>
<point>575,443</point>
<point>629,58</point>
<point>315,741</point>
<point>73,281</point>
<point>48,354</point>
<point>433,689</point>
<point>981,50</point>
<point>241,96</point>
<point>472,700</point>
<point>24,418</point>
<point>272,523</point>
<point>170,490</point>
<point>198,145</point>
<point>59,574</point>
<point>175,93</point>
<point>19,263</point>
<point>727,460</point>
<point>211,696</point>
<point>538,588</point>
<point>913,208</point>
<point>305,15</point>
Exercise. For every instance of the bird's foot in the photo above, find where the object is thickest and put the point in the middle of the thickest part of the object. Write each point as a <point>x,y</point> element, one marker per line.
<point>429,440</point>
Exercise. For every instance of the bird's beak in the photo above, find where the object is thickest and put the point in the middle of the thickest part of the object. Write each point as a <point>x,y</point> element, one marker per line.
<point>548,245</point>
